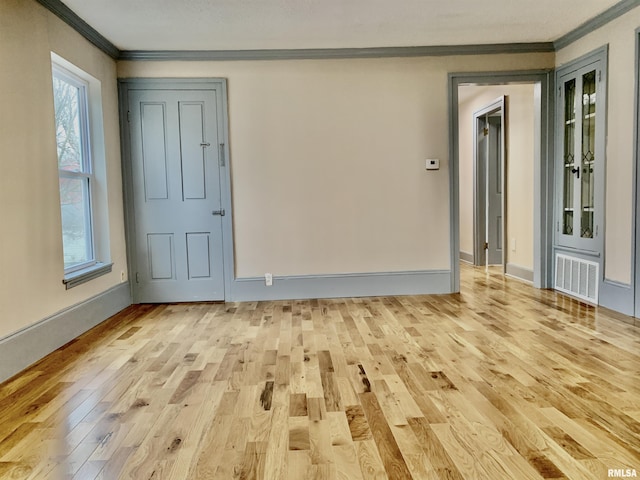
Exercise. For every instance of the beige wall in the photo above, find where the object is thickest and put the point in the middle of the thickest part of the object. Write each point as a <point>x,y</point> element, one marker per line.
<point>619,34</point>
<point>31,250</point>
<point>328,159</point>
<point>520,150</point>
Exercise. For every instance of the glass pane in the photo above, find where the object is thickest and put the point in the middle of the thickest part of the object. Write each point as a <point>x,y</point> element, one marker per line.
<point>588,153</point>
<point>76,220</point>
<point>66,98</point>
<point>569,155</point>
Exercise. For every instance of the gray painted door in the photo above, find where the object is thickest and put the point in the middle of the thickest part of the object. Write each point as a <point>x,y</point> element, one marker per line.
<point>176,195</point>
<point>480,207</point>
<point>494,192</point>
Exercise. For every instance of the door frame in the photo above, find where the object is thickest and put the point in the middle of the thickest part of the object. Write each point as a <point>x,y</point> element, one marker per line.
<point>543,81</point>
<point>481,181</point>
<point>635,230</point>
<point>219,85</point>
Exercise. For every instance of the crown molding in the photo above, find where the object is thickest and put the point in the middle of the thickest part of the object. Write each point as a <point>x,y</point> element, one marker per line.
<point>329,53</point>
<point>596,22</point>
<point>83,28</point>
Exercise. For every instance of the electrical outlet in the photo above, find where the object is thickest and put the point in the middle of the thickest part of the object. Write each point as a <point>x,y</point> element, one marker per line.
<point>268,279</point>
<point>432,164</point>
<point>513,244</point>
<point>122,275</point>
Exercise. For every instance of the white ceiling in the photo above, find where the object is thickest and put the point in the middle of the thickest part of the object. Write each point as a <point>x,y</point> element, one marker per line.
<point>294,24</point>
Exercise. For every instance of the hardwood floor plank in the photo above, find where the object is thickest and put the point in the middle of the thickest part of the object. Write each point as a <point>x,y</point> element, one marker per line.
<point>298,464</point>
<point>15,437</point>
<point>434,450</point>
<point>464,459</point>
<point>298,405</point>
<point>358,425</point>
<point>605,450</point>
<point>339,428</point>
<point>369,460</point>
<point>346,462</point>
<point>299,433</point>
<point>320,442</point>
<point>392,459</point>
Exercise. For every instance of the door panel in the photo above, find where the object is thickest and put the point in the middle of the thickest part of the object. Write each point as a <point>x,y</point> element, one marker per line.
<point>580,190</point>
<point>160,256</point>
<point>199,255</point>
<point>154,154</point>
<point>176,186</point>
<point>191,152</point>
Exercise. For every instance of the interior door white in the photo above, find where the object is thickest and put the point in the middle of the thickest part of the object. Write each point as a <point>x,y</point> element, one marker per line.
<point>176,194</point>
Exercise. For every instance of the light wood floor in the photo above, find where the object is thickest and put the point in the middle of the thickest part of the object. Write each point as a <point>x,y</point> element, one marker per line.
<point>500,382</point>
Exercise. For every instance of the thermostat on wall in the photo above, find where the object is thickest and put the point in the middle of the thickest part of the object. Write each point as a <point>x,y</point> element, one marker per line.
<point>433,164</point>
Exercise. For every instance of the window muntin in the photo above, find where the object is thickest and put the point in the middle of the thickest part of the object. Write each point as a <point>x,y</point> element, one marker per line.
<point>74,168</point>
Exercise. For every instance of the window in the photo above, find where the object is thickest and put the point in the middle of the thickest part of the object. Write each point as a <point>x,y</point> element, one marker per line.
<point>76,174</point>
<point>74,169</point>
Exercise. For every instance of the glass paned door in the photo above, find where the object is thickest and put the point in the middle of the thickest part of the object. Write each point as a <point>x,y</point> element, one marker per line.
<point>578,169</point>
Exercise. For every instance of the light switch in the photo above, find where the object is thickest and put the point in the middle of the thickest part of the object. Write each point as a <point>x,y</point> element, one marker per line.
<point>432,164</point>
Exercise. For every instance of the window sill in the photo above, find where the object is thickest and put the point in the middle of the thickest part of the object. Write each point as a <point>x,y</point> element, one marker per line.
<point>82,276</point>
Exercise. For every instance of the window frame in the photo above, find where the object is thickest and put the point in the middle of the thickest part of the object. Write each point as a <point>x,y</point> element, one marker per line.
<point>86,173</point>
<point>93,174</point>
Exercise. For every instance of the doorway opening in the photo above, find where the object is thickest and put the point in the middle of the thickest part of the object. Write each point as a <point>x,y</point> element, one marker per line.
<point>489,205</point>
<point>525,232</point>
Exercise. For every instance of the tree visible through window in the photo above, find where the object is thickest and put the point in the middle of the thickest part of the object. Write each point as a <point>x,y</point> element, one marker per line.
<point>74,168</point>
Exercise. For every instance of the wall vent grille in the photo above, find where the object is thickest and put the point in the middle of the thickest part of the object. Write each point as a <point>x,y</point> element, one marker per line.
<point>577,277</point>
